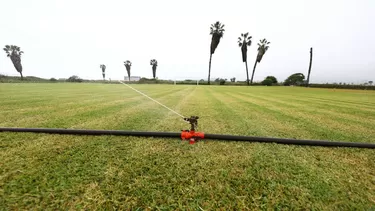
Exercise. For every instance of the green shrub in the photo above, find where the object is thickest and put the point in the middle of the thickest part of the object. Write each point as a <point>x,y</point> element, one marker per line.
<point>74,78</point>
<point>267,82</point>
<point>338,86</point>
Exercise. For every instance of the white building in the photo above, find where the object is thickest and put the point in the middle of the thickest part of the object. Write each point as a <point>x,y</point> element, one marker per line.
<point>132,78</point>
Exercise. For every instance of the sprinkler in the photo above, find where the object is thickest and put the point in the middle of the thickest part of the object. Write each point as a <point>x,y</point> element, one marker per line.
<point>191,135</point>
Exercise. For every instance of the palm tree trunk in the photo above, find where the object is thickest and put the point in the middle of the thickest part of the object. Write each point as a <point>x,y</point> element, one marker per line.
<point>247,73</point>
<point>209,70</point>
<point>154,71</point>
<point>308,75</point>
<point>252,76</point>
<point>128,70</point>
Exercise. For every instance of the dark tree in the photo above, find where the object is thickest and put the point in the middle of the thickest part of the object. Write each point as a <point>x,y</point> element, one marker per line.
<point>154,64</point>
<point>308,74</point>
<point>267,82</point>
<point>217,32</point>
<point>262,49</point>
<point>128,65</point>
<point>14,52</point>
<point>294,79</point>
<point>102,66</point>
<point>243,42</point>
<point>74,78</point>
<point>272,78</point>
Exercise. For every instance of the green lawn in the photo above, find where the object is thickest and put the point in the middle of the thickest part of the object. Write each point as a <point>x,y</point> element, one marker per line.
<point>39,171</point>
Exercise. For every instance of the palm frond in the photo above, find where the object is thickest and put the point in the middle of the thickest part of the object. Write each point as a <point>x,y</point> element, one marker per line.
<point>217,28</point>
<point>153,62</point>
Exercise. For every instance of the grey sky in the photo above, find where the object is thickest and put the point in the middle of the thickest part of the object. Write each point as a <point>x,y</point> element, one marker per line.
<point>67,37</point>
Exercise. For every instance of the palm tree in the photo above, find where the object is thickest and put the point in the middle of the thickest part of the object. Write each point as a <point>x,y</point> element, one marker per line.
<point>103,70</point>
<point>243,42</point>
<point>128,65</point>
<point>154,64</point>
<point>14,52</point>
<point>217,32</point>
<point>262,48</point>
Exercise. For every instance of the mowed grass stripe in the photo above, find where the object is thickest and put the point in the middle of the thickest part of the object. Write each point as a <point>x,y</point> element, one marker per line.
<point>353,112</point>
<point>170,121</point>
<point>94,95</point>
<point>350,97</point>
<point>41,118</point>
<point>32,146</point>
<point>102,111</point>
<point>84,106</point>
<point>348,120</point>
<point>360,110</point>
<point>225,118</point>
<point>142,110</point>
<point>319,128</point>
<point>260,122</point>
<point>145,115</point>
<point>360,103</point>
<point>55,174</point>
<point>357,97</point>
<point>336,105</point>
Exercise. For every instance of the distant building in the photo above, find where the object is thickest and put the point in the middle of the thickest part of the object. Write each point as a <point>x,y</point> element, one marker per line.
<point>132,78</point>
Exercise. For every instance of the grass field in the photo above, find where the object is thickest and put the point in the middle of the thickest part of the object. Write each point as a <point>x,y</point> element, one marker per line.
<point>40,171</point>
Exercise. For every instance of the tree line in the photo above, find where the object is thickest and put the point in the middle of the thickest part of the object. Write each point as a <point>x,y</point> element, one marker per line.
<point>217,32</point>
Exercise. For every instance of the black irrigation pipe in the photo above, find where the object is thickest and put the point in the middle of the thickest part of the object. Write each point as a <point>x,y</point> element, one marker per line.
<point>178,135</point>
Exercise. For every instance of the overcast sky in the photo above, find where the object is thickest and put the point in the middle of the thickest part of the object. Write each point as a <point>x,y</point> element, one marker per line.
<point>73,37</point>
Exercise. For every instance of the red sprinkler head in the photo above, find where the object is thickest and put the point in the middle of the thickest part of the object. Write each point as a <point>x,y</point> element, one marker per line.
<point>191,135</point>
